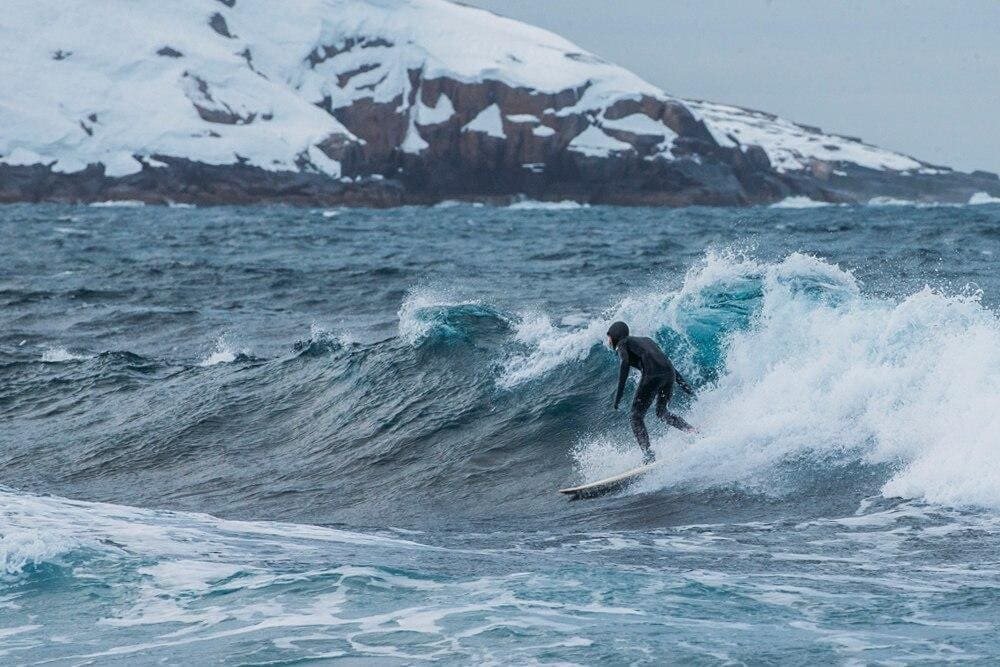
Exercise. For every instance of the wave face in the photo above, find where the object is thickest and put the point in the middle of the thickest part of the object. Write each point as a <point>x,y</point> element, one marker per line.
<point>383,404</point>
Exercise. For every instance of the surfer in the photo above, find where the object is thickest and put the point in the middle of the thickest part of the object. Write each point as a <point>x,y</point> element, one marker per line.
<point>657,380</point>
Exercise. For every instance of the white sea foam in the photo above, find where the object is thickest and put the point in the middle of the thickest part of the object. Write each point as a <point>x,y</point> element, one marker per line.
<point>799,202</point>
<point>224,352</point>
<point>532,205</point>
<point>321,333</point>
<point>823,374</point>
<point>980,198</point>
<point>57,355</point>
<point>72,231</point>
<point>36,527</point>
<point>23,546</point>
<point>118,203</point>
<point>892,201</point>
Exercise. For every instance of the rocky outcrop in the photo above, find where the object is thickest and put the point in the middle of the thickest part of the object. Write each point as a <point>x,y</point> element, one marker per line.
<point>391,103</point>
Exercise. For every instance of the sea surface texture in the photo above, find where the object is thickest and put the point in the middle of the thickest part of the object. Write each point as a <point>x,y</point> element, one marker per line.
<point>263,436</point>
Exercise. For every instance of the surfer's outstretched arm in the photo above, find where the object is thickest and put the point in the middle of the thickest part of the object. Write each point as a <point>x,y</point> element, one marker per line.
<point>622,375</point>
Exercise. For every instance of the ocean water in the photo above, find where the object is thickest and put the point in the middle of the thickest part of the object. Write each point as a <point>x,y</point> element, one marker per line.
<point>262,436</point>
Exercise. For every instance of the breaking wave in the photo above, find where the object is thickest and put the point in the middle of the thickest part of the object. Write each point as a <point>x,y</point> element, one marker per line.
<point>805,381</point>
<point>802,370</point>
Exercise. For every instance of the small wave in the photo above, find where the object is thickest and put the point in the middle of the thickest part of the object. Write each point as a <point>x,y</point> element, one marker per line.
<point>426,311</point>
<point>118,203</point>
<point>321,341</point>
<point>800,202</point>
<point>60,354</point>
<point>532,205</point>
<point>452,203</point>
<point>892,201</point>
<point>72,231</point>
<point>186,546</point>
<point>225,352</point>
<point>981,198</point>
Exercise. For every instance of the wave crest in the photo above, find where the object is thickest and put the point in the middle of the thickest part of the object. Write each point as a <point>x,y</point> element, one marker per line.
<point>428,313</point>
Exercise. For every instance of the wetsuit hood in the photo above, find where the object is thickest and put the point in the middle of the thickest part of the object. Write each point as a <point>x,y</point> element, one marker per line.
<point>618,331</point>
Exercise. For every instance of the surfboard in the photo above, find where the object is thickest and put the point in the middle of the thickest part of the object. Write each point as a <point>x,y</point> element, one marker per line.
<point>603,487</point>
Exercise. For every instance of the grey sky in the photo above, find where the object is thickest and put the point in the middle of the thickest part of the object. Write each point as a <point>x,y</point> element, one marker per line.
<point>917,76</point>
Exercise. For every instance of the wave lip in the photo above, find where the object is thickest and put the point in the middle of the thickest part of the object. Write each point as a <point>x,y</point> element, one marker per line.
<point>428,312</point>
<point>711,300</point>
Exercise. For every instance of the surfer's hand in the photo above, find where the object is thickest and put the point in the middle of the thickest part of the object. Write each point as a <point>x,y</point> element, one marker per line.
<point>614,406</point>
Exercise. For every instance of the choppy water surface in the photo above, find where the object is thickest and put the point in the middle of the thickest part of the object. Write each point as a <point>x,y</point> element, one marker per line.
<point>270,435</point>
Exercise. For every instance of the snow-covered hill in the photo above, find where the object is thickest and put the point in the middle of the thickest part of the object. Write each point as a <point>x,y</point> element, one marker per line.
<point>420,99</point>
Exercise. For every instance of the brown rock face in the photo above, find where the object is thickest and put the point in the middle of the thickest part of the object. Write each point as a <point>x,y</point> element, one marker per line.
<point>534,157</point>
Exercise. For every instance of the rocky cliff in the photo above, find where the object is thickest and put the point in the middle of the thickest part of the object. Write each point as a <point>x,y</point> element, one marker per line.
<point>385,102</point>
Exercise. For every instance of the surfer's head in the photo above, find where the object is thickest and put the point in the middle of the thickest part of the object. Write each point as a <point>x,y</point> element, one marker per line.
<point>616,332</point>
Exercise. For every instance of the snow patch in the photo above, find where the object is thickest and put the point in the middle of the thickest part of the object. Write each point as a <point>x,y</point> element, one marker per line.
<point>488,121</point>
<point>439,113</point>
<point>640,123</point>
<point>323,163</point>
<point>21,156</point>
<point>593,142</point>
<point>413,143</point>
<point>69,165</point>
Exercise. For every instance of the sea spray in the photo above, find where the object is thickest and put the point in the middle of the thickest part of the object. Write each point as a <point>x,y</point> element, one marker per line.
<point>823,372</point>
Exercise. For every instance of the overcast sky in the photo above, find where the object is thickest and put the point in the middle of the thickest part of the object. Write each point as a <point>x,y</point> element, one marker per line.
<point>917,76</point>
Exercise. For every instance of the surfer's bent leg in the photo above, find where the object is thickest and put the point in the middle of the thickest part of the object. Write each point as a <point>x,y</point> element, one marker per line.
<point>662,398</point>
<point>644,395</point>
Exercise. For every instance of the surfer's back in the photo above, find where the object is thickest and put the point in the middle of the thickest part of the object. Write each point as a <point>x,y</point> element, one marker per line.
<point>646,355</point>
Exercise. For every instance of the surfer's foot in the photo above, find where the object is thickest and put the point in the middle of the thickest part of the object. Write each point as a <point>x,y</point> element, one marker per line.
<point>647,458</point>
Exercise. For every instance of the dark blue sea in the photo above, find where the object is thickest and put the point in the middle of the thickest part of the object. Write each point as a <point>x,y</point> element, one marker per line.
<point>271,436</point>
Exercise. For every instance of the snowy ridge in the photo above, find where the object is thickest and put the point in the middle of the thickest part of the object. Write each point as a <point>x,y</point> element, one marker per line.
<point>793,147</point>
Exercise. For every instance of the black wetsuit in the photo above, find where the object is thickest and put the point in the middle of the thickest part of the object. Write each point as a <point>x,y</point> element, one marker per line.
<point>658,377</point>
